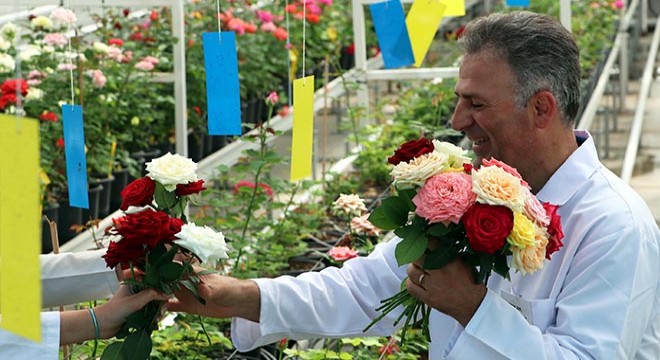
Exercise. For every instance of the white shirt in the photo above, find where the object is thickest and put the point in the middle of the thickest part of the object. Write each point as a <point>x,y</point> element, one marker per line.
<point>66,278</point>
<point>597,298</point>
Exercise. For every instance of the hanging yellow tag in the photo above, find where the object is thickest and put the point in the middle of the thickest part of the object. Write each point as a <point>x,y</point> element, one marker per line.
<point>423,20</point>
<point>20,227</point>
<point>303,128</point>
<point>455,8</point>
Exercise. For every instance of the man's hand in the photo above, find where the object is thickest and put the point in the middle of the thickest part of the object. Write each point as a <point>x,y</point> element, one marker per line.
<point>450,289</point>
<point>225,297</point>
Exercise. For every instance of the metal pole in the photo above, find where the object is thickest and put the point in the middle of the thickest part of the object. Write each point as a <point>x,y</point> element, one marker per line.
<point>624,71</point>
<point>565,14</point>
<point>181,106</point>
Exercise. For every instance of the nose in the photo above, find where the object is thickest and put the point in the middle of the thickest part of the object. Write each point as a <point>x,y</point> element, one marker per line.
<point>460,119</point>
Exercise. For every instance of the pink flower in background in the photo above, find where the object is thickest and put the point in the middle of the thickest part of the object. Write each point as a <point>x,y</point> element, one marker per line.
<point>444,198</point>
<point>98,78</point>
<point>284,111</point>
<point>268,27</point>
<point>272,98</point>
<point>342,253</point>
<point>34,77</point>
<point>618,4</point>
<point>362,226</point>
<point>325,2</point>
<point>65,67</point>
<point>265,16</point>
<point>152,60</point>
<point>56,39</point>
<point>237,25</point>
<point>128,56</point>
<point>64,16</point>
<point>115,54</point>
<point>314,9</point>
<point>144,66</point>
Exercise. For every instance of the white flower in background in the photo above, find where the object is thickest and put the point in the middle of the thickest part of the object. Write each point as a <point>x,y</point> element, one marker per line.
<point>4,44</point>
<point>7,64</point>
<point>206,243</point>
<point>47,49</point>
<point>413,174</point>
<point>66,67</point>
<point>63,16</point>
<point>101,47</point>
<point>361,226</point>
<point>41,22</point>
<point>457,156</point>
<point>28,52</point>
<point>34,94</point>
<point>172,169</point>
<point>9,32</point>
<point>350,205</point>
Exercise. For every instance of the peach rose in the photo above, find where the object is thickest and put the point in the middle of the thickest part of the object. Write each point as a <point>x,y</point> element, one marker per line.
<point>530,258</point>
<point>494,186</point>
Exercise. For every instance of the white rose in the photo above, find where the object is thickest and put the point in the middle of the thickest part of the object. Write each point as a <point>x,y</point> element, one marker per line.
<point>28,52</point>
<point>457,156</point>
<point>414,173</point>
<point>172,169</point>
<point>4,44</point>
<point>9,31</point>
<point>7,64</point>
<point>101,47</point>
<point>206,243</point>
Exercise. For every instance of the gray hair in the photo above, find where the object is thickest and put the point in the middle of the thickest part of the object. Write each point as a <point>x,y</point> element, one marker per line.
<point>541,53</point>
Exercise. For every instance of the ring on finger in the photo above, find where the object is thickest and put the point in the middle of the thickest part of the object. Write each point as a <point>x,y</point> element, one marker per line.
<point>421,278</point>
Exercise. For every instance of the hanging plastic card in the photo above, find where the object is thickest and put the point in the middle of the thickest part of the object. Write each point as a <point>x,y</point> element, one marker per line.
<point>222,86</point>
<point>520,3</point>
<point>74,152</point>
<point>454,8</point>
<point>20,227</point>
<point>423,22</point>
<point>393,40</point>
<point>303,128</point>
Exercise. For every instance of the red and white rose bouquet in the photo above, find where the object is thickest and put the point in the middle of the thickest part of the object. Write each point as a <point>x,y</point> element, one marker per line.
<point>154,240</point>
<point>486,216</point>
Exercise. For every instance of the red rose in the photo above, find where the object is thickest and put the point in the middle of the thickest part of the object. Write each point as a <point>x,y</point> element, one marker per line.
<point>313,18</point>
<point>11,86</point>
<point>190,188</point>
<point>154,15</point>
<point>148,227</point>
<point>174,228</point>
<point>249,184</point>
<point>554,230</point>
<point>487,226</point>
<point>123,252</point>
<point>411,150</point>
<point>140,192</point>
<point>467,168</point>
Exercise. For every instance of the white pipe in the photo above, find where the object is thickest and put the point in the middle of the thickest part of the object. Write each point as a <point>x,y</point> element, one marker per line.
<point>565,14</point>
<point>594,101</point>
<point>636,130</point>
<point>179,53</point>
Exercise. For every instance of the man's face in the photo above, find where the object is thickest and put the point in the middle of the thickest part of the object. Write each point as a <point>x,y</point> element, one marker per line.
<point>487,114</point>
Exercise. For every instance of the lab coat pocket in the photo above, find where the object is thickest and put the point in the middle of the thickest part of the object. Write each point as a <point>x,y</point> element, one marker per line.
<point>538,312</point>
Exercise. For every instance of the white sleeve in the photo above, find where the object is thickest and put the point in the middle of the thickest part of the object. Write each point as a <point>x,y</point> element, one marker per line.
<point>70,278</point>
<point>13,346</point>
<point>336,302</point>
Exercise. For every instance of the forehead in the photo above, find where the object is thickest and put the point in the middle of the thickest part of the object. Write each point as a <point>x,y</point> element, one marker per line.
<point>484,75</point>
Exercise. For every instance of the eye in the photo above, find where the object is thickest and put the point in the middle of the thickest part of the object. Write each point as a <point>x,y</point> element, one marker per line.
<point>476,105</point>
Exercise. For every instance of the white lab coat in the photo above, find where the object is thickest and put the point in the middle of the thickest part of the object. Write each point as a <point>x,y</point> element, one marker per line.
<point>597,298</point>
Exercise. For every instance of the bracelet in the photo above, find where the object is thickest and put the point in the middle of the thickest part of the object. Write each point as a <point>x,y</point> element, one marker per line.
<point>97,328</point>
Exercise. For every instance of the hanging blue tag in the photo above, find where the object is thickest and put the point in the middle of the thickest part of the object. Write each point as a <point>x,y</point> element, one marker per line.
<point>523,3</point>
<point>223,95</point>
<point>74,151</point>
<point>392,33</point>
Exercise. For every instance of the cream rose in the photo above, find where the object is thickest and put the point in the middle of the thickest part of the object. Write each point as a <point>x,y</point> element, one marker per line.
<point>456,155</point>
<point>172,169</point>
<point>494,186</point>
<point>206,243</point>
<point>414,174</point>
<point>350,205</point>
<point>529,259</point>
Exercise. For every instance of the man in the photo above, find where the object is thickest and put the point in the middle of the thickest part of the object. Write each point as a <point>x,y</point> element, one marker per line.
<point>518,91</point>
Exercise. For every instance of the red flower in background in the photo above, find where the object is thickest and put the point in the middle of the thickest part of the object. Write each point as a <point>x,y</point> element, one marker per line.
<point>154,15</point>
<point>313,18</point>
<point>116,42</point>
<point>249,184</point>
<point>280,34</point>
<point>7,99</point>
<point>350,49</point>
<point>60,143</point>
<point>12,86</point>
<point>48,116</point>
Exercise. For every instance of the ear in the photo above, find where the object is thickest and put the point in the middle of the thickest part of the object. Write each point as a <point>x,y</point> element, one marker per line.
<point>543,108</point>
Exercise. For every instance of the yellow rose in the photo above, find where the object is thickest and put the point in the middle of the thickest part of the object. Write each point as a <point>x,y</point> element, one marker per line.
<point>523,233</point>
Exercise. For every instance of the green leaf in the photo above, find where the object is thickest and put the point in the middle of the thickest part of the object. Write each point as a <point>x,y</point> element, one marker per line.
<point>391,214</point>
<point>440,257</point>
<point>157,253</point>
<point>500,266</point>
<point>137,345</point>
<point>166,257</point>
<point>165,199</point>
<point>439,230</point>
<point>412,246</point>
<point>485,267</point>
<point>151,277</point>
<point>408,195</point>
<point>113,351</point>
<point>170,271</point>
<point>137,320</point>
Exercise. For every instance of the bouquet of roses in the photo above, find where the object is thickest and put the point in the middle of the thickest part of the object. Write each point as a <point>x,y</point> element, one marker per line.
<point>481,216</point>
<point>154,241</point>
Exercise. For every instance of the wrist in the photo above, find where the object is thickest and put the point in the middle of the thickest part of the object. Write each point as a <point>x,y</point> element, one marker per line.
<point>248,300</point>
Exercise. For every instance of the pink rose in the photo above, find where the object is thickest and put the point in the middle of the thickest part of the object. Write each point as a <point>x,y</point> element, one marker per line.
<point>342,253</point>
<point>535,211</point>
<point>444,198</point>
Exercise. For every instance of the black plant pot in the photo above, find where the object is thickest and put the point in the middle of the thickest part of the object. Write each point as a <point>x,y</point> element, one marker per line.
<point>104,196</point>
<point>195,146</point>
<point>67,217</point>
<point>121,180</point>
<point>52,213</point>
<point>94,194</point>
